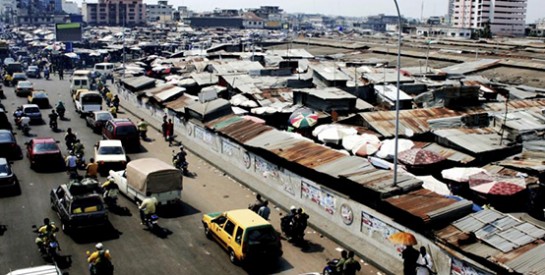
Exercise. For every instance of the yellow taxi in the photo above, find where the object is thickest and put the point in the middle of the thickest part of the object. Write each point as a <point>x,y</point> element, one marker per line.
<point>244,234</point>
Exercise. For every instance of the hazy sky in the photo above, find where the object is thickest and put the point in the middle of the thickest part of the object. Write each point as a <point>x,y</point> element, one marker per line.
<point>409,8</point>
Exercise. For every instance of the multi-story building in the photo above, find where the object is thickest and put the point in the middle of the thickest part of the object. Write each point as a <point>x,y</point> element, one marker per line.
<point>8,11</point>
<point>505,17</point>
<point>114,12</point>
<point>162,12</point>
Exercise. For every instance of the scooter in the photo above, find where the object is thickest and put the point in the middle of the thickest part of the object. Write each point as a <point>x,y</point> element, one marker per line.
<point>53,125</point>
<point>331,267</point>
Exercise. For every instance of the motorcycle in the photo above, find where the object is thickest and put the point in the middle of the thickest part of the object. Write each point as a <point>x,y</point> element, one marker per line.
<point>60,112</point>
<point>49,249</point>
<point>291,230</point>
<point>150,221</point>
<point>181,165</point>
<point>331,267</point>
<point>53,125</point>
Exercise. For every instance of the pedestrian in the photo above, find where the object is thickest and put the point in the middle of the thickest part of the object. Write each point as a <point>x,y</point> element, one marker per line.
<point>424,263</point>
<point>71,164</point>
<point>410,256</point>
<point>143,129</point>
<point>342,260</point>
<point>351,266</point>
<point>61,74</point>
<point>264,211</point>
<point>257,204</point>
<point>170,132</point>
<point>164,127</point>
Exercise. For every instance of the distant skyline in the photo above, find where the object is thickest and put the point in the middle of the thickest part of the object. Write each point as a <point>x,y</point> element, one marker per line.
<point>356,8</point>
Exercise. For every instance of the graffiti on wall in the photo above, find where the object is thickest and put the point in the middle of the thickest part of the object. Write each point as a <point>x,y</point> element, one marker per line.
<point>318,195</point>
<point>266,169</point>
<point>459,267</point>
<point>372,224</point>
<point>204,135</point>
<point>229,148</point>
<point>289,181</point>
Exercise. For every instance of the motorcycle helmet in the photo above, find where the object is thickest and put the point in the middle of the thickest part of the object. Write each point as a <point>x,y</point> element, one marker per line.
<point>293,208</point>
<point>99,246</point>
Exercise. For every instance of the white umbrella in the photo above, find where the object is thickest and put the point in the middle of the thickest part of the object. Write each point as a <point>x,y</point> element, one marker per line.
<point>387,149</point>
<point>434,185</point>
<point>333,133</point>
<point>461,174</point>
<point>362,145</point>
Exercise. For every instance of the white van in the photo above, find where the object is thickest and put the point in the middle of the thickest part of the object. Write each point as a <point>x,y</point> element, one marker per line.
<point>105,68</point>
<point>79,82</point>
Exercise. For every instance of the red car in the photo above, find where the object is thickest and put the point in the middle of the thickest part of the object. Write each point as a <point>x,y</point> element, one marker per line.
<point>44,153</point>
<point>124,130</point>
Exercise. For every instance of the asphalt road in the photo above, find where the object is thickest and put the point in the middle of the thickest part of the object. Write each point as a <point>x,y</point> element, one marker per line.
<point>134,250</point>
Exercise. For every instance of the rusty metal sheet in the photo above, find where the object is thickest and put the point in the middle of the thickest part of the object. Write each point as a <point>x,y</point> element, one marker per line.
<point>308,154</point>
<point>243,130</point>
<point>421,203</point>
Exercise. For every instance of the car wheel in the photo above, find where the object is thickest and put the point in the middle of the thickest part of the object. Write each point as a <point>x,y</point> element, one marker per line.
<point>232,256</point>
<point>207,232</point>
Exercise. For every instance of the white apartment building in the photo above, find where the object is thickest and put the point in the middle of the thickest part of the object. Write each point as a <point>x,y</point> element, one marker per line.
<point>506,17</point>
<point>162,12</point>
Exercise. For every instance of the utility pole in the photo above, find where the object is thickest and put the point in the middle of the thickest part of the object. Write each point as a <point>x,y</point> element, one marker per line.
<point>124,11</point>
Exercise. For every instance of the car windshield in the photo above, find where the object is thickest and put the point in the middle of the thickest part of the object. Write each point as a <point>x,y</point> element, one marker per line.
<point>6,137</point>
<point>44,147</point>
<point>4,170</point>
<point>86,205</point>
<point>110,150</point>
<point>104,116</point>
<point>126,130</point>
<point>24,84</point>
<point>39,95</point>
<point>19,76</point>
<point>261,235</point>
<point>31,110</point>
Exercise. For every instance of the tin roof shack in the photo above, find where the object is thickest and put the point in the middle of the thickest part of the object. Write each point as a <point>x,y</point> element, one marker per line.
<point>482,143</point>
<point>135,84</point>
<point>387,97</point>
<point>498,241</point>
<point>424,210</point>
<point>457,96</point>
<point>329,74</point>
<point>520,125</point>
<point>207,111</point>
<point>326,100</point>
<point>465,68</point>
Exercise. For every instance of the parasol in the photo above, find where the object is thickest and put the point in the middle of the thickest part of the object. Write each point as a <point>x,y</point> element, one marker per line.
<point>388,147</point>
<point>419,156</point>
<point>480,178</point>
<point>403,238</point>
<point>461,174</point>
<point>333,133</point>
<point>361,145</point>
<point>500,188</point>
<point>303,118</point>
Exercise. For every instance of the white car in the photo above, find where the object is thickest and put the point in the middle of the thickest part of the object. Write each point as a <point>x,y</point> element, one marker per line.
<point>110,155</point>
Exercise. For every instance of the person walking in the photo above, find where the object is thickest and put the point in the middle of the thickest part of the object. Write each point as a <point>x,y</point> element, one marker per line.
<point>164,127</point>
<point>351,266</point>
<point>424,263</point>
<point>264,211</point>
<point>410,256</point>
<point>170,132</point>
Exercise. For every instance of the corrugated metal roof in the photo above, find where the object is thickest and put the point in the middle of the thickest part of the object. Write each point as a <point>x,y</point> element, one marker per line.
<point>428,205</point>
<point>138,82</point>
<point>499,230</point>
<point>471,66</point>
<point>329,71</point>
<point>169,93</point>
<point>238,128</point>
<point>382,181</point>
<point>530,262</point>
<point>178,105</point>
<point>308,154</point>
<point>474,140</point>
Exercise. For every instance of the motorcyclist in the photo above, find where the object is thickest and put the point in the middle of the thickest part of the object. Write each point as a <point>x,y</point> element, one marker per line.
<point>110,195</point>
<point>287,223</point>
<point>113,110</point>
<point>78,147</point>
<point>180,157</point>
<point>53,119</point>
<point>46,233</point>
<point>300,222</point>
<point>17,116</point>
<point>70,138</point>
<point>147,208</point>
<point>100,261</point>
<point>115,101</point>
<point>60,109</point>
<point>25,124</point>
<point>71,163</point>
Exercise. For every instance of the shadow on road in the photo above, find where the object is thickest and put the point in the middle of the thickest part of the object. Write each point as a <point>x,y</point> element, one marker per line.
<point>3,229</point>
<point>273,267</point>
<point>177,210</point>
<point>64,261</point>
<point>94,235</point>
